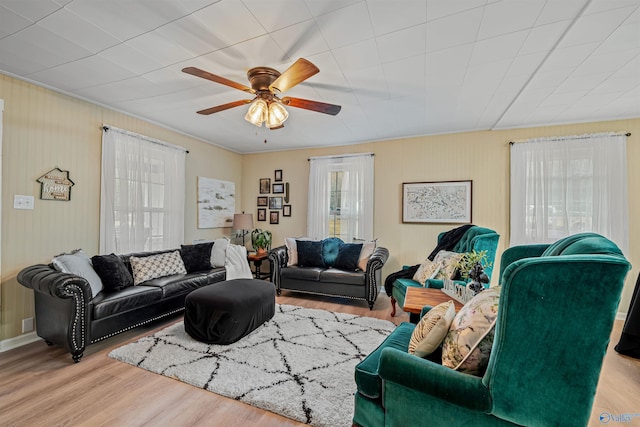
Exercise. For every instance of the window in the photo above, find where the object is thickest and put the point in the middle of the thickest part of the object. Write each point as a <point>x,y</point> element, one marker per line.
<point>142,198</point>
<point>567,185</point>
<point>341,197</point>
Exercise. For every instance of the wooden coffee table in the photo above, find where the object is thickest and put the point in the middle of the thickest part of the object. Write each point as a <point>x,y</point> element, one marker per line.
<point>416,298</point>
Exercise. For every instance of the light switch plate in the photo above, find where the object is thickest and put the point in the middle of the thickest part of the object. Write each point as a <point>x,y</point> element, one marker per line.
<point>22,202</point>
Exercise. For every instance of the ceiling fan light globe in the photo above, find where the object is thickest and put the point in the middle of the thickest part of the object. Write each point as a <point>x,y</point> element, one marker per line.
<point>257,112</point>
<point>277,115</point>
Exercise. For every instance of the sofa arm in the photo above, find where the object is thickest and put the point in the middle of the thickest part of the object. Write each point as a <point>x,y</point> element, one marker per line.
<point>278,258</point>
<point>47,280</point>
<point>435,380</point>
<point>373,274</point>
<point>62,306</point>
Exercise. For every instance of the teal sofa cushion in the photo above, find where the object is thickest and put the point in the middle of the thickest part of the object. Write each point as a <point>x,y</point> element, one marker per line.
<point>367,379</point>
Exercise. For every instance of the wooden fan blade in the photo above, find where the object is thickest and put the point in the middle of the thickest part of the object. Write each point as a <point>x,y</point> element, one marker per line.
<point>300,71</point>
<point>218,79</point>
<point>307,104</point>
<point>223,107</point>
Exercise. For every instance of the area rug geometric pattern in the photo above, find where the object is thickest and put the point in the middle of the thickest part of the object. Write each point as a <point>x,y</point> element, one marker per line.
<point>300,364</point>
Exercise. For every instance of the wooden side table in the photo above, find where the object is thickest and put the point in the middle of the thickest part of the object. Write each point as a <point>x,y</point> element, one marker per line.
<point>257,259</point>
<point>416,298</point>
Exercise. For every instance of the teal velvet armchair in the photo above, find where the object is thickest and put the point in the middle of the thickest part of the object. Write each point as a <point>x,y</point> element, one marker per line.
<point>555,314</point>
<point>475,238</point>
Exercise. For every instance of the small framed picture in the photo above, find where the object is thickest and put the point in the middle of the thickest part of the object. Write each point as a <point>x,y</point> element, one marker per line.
<point>275,202</point>
<point>278,189</point>
<point>286,210</point>
<point>277,176</point>
<point>265,185</point>
<point>263,201</point>
<point>262,214</point>
<point>274,217</point>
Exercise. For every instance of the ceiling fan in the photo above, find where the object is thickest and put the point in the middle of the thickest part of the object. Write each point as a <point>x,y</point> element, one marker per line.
<point>266,84</point>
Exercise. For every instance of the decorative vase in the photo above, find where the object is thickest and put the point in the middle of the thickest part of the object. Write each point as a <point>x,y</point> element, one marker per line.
<point>261,251</point>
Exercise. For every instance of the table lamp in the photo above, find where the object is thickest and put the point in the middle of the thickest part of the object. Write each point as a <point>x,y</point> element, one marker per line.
<point>242,222</point>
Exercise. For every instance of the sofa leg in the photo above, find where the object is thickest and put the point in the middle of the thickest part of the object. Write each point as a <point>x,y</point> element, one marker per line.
<point>393,306</point>
<point>77,355</point>
<point>49,343</point>
<point>371,305</point>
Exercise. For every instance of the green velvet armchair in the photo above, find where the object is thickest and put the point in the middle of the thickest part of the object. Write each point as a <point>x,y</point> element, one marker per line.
<point>556,310</point>
<point>475,238</point>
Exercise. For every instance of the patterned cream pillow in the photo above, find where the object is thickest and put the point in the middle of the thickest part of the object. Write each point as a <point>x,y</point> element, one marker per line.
<point>427,270</point>
<point>431,330</point>
<point>154,266</point>
<point>468,343</point>
<point>448,263</point>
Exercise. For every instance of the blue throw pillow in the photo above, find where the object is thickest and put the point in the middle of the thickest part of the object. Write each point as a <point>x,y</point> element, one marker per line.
<point>310,253</point>
<point>330,248</point>
<point>348,256</point>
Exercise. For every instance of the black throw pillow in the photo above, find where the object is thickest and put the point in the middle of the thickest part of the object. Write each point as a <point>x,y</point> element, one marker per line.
<point>348,256</point>
<point>310,253</point>
<point>196,257</point>
<point>112,271</point>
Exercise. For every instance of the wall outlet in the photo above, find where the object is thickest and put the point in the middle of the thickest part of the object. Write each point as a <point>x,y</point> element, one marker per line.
<point>22,202</point>
<point>27,324</point>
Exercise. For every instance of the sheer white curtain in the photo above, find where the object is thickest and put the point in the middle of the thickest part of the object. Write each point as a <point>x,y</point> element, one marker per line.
<point>142,193</point>
<point>567,185</point>
<point>355,186</point>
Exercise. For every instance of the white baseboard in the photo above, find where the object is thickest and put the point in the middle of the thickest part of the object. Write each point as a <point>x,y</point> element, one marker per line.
<point>18,341</point>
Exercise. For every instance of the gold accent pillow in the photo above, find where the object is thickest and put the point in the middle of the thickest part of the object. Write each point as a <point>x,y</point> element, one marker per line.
<point>448,263</point>
<point>431,330</point>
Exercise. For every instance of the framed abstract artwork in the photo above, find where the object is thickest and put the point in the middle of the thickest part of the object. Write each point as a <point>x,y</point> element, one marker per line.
<point>437,202</point>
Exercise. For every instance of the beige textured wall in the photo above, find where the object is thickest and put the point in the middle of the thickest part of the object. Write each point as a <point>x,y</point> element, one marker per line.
<point>44,129</point>
<point>480,156</point>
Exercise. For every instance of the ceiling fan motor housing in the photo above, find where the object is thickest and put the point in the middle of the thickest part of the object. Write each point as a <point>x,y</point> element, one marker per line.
<point>262,77</point>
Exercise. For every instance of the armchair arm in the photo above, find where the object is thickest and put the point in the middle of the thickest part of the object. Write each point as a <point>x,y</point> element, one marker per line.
<point>435,380</point>
<point>373,274</point>
<point>278,258</point>
<point>516,253</point>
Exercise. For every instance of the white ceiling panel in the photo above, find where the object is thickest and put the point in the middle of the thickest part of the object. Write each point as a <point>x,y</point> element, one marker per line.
<point>277,14</point>
<point>31,10</point>
<point>453,30</point>
<point>72,27</point>
<point>388,17</point>
<point>522,15</point>
<point>11,22</point>
<point>398,68</point>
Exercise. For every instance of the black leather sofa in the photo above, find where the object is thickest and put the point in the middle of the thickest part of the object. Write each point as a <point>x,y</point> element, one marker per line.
<point>68,315</point>
<point>359,285</point>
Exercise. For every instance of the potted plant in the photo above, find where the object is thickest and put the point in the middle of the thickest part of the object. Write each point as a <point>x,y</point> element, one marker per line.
<point>469,260</point>
<point>261,240</point>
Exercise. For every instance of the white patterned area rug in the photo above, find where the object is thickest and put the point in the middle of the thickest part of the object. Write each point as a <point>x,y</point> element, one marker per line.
<point>300,364</point>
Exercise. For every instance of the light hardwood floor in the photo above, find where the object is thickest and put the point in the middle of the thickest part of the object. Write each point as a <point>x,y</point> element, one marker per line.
<point>40,386</point>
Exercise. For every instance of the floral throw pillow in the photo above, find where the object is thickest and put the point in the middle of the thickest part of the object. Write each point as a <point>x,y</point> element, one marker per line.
<point>427,270</point>
<point>448,263</point>
<point>468,343</point>
<point>431,330</point>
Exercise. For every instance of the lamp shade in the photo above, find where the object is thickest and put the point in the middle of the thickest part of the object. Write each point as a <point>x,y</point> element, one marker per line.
<point>277,115</point>
<point>242,221</point>
<point>257,112</point>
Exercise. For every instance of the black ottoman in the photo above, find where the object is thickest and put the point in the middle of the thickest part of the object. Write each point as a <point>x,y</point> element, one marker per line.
<point>224,312</point>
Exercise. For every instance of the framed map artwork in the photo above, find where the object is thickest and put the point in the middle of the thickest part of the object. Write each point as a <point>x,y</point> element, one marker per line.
<point>437,202</point>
